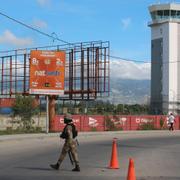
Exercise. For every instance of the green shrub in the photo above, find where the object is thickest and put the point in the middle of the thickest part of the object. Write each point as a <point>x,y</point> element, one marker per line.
<point>38,129</point>
<point>24,107</point>
<point>9,129</point>
<point>110,126</point>
<point>161,122</point>
<point>93,129</point>
<point>21,130</point>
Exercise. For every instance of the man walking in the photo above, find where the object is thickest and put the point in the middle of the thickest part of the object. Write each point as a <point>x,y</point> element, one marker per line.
<point>70,145</point>
<point>171,120</point>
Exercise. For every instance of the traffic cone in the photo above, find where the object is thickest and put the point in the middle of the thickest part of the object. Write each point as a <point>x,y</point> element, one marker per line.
<point>131,170</point>
<point>114,159</point>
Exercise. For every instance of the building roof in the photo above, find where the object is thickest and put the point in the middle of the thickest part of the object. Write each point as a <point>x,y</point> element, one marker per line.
<point>170,6</point>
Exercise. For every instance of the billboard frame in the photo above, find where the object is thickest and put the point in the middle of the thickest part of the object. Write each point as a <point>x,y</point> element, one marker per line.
<point>87,70</point>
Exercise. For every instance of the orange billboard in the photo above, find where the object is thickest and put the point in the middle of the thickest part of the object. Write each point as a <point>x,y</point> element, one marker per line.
<point>47,69</point>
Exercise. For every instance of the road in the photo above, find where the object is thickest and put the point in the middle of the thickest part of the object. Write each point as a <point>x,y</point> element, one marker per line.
<point>155,153</point>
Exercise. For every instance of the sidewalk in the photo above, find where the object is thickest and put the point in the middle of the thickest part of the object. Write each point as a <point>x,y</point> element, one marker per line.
<point>81,134</point>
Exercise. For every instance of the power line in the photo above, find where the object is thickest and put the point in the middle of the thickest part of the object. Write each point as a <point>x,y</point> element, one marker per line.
<point>54,37</point>
<point>124,59</point>
<point>148,62</point>
<point>34,29</point>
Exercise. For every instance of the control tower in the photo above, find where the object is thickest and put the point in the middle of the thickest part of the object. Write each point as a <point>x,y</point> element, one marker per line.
<point>165,58</point>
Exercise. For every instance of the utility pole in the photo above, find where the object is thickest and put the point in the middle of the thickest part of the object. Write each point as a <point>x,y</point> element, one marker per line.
<point>47,114</point>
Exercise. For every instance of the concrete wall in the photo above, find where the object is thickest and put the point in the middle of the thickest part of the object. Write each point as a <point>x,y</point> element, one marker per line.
<point>7,121</point>
<point>94,122</point>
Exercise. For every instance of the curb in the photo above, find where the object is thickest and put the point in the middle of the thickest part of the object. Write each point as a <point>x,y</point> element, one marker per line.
<point>81,134</point>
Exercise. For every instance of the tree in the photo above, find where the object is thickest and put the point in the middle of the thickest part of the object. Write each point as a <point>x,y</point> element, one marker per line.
<point>25,108</point>
<point>120,108</point>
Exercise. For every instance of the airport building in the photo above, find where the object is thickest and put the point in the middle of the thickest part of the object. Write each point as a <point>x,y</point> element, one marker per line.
<point>165,58</point>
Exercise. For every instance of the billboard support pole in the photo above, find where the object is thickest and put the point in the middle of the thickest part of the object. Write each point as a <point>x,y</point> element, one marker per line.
<point>47,114</point>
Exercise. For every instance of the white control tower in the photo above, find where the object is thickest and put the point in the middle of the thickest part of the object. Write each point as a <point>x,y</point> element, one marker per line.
<point>165,58</point>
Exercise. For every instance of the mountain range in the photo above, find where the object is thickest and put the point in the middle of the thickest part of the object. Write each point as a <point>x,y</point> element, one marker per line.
<point>129,91</point>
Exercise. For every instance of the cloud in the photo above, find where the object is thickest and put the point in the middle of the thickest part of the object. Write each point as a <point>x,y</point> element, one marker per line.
<point>125,69</point>
<point>39,23</point>
<point>126,22</point>
<point>9,38</point>
<point>130,70</point>
<point>43,2</point>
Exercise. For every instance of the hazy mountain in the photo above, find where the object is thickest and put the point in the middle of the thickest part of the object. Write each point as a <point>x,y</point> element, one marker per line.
<point>126,91</point>
<point>130,82</point>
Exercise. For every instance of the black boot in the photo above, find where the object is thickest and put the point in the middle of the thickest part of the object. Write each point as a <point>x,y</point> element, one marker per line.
<point>55,166</point>
<point>77,168</point>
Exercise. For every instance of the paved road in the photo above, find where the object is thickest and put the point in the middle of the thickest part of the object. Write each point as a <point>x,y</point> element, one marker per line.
<point>156,155</point>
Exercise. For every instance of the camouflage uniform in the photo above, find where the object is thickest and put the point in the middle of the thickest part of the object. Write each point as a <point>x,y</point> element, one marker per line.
<point>69,145</point>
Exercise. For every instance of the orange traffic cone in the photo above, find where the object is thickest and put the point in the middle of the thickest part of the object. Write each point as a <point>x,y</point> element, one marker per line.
<point>131,170</point>
<point>114,159</point>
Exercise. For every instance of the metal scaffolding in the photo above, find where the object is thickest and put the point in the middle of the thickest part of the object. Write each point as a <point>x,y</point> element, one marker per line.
<point>87,70</point>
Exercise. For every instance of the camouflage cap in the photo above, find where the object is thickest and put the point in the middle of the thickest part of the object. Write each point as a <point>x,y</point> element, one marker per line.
<point>68,116</point>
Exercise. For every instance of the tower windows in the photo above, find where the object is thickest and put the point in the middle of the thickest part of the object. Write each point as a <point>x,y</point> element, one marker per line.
<point>173,13</point>
<point>165,14</point>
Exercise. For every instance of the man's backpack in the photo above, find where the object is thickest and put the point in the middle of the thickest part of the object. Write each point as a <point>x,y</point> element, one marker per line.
<point>74,131</point>
<point>64,135</point>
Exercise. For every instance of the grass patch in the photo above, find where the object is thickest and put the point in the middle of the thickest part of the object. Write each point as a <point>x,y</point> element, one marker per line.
<point>9,131</point>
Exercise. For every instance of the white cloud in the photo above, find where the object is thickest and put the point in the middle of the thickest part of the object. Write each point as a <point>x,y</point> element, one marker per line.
<point>126,22</point>
<point>43,2</point>
<point>130,70</point>
<point>10,39</point>
<point>39,23</point>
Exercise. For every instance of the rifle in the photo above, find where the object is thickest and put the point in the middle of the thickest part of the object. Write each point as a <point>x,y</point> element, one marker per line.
<point>77,142</point>
<point>70,157</point>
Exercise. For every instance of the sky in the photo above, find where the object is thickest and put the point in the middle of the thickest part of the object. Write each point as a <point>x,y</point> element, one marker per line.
<point>123,23</point>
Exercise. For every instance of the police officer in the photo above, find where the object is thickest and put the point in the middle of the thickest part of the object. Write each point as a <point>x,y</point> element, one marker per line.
<point>70,145</point>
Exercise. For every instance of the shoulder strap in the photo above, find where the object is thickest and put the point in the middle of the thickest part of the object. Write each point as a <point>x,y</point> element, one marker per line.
<point>65,127</point>
<point>74,130</point>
